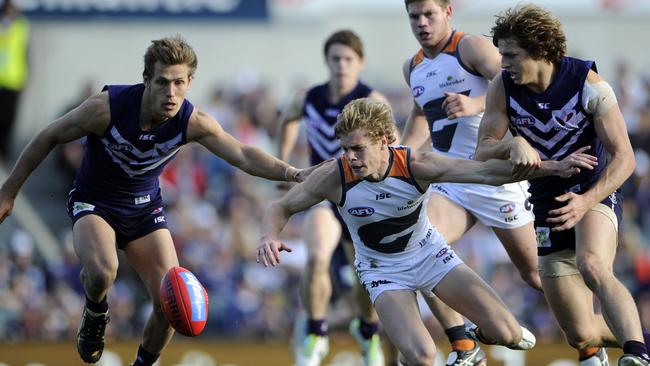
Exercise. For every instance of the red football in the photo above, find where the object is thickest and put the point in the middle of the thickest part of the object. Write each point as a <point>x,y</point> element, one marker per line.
<point>184,301</point>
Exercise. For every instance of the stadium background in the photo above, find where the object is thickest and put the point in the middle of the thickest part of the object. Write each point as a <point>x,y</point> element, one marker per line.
<point>253,55</point>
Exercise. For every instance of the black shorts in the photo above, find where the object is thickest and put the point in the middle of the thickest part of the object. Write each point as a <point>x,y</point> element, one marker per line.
<point>552,241</point>
<point>129,223</point>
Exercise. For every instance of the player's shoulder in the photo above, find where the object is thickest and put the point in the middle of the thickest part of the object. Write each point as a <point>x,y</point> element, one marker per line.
<point>593,77</point>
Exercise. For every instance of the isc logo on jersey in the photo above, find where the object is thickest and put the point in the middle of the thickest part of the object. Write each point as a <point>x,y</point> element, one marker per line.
<point>361,211</point>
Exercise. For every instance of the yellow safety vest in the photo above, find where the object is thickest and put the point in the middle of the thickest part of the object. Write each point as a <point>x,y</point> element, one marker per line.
<point>13,54</point>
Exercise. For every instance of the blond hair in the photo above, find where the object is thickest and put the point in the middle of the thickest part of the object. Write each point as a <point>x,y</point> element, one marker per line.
<point>169,51</point>
<point>376,118</point>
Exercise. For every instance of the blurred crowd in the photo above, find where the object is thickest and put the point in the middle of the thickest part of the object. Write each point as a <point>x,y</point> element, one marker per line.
<point>214,213</point>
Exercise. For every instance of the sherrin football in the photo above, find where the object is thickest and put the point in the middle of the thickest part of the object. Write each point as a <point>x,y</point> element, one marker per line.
<point>184,301</point>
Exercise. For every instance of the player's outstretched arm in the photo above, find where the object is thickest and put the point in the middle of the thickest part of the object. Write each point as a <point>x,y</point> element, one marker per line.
<point>492,130</point>
<point>208,132</point>
<point>428,167</point>
<point>92,116</point>
<point>323,183</point>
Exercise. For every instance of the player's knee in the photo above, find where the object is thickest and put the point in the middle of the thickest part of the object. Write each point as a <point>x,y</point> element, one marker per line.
<point>99,276</point>
<point>580,338</point>
<point>593,271</point>
<point>418,357</point>
<point>318,262</point>
<point>532,279</point>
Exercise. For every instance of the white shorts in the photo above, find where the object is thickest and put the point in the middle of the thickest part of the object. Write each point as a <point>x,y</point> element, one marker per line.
<point>420,272</point>
<point>504,207</point>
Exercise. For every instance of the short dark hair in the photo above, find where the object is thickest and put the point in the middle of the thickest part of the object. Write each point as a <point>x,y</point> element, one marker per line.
<point>535,29</point>
<point>169,51</point>
<point>347,38</point>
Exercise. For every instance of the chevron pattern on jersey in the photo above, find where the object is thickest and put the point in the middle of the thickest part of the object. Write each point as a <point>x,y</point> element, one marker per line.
<point>135,162</point>
<point>553,136</point>
<point>321,134</point>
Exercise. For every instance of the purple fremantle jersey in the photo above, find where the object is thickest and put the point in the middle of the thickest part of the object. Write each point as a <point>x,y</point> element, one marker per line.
<point>121,167</point>
<point>320,116</point>
<point>555,124</point>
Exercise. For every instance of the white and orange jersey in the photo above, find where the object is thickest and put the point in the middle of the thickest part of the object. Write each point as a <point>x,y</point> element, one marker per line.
<point>430,79</point>
<point>387,219</point>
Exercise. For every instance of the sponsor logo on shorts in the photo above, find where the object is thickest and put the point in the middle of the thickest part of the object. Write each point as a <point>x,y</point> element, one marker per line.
<point>361,211</point>
<point>157,211</point>
<point>448,258</point>
<point>143,199</point>
<point>375,284</point>
<point>442,252</point>
<point>78,207</point>
<point>507,208</point>
<point>440,188</point>
<point>418,90</point>
<point>511,218</point>
<point>543,235</point>
<point>426,238</point>
<point>159,219</point>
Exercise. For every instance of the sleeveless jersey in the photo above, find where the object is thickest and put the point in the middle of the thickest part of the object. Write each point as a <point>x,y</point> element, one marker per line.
<point>121,167</point>
<point>556,124</point>
<point>429,80</point>
<point>387,219</point>
<point>319,114</point>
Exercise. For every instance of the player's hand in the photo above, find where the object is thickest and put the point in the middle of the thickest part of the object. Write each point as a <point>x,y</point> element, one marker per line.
<point>6,205</point>
<point>460,105</point>
<point>524,158</point>
<point>268,253</point>
<point>568,216</point>
<point>302,174</point>
<point>572,164</point>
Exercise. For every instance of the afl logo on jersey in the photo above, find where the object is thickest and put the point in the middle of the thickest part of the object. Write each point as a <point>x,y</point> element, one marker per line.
<point>418,90</point>
<point>361,211</point>
<point>120,147</point>
<point>507,208</point>
<point>524,121</point>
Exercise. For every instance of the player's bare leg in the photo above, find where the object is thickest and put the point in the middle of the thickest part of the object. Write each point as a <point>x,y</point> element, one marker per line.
<point>152,256</point>
<point>521,245</point>
<point>365,327</point>
<point>94,243</point>
<point>321,232</point>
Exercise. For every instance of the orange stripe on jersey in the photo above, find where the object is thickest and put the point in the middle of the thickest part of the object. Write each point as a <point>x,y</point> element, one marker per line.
<point>419,57</point>
<point>399,168</point>
<point>452,46</point>
<point>348,176</point>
